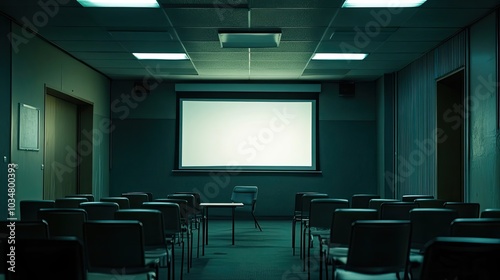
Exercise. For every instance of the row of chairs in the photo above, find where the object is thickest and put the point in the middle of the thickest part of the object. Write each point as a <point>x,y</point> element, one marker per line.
<point>109,248</point>
<point>316,221</point>
<point>109,209</point>
<point>426,224</point>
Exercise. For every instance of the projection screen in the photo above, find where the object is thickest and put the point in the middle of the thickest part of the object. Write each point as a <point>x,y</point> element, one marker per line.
<point>248,134</point>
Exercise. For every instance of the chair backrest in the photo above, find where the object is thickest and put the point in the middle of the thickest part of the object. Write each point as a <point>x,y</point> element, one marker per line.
<point>298,202</point>
<point>149,194</point>
<point>362,200</point>
<point>396,210</point>
<point>24,229</point>
<point>114,245</point>
<point>412,197</point>
<point>171,215</point>
<point>306,202</point>
<point>464,209</point>
<point>244,194</point>
<point>136,199</point>
<point>100,210</point>
<point>379,246</point>
<point>428,223</point>
<point>461,258</point>
<point>197,198</point>
<point>90,197</point>
<point>122,201</point>
<point>490,213</point>
<point>69,202</point>
<point>64,221</point>
<point>321,211</point>
<point>341,223</point>
<point>430,202</point>
<point>29,208</point>
<point>152,224</point>
<point>183,207</point>
<point>54,258</point>
<point>190,199</point>
<point>476,227</point>
<point>375,203</point>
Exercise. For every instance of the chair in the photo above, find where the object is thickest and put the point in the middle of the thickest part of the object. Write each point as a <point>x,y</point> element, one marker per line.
<point>198,216</point>
<point>461,258</point>
<point>29,208</point>
<point>123,202</point>
<point>378,249</point>
<point>248,196</point>
<point>90,197</point>
<point>24,229</point>
<point>362,200</point>
<point>100,210</point>
<point>430,202</point>
<point>320,219</point>
<point>396,210</point>
<point>69,202</point>
<point>297,216</point>
<point>136,199</point>
<point>58,258</point>
<point>173,227</point>
<point>476,227</point>
<point>116,247</point>
<point>340,233</point>
<point>464,209</point>
<point>305,207</point>
<point>153,229</point>
<point>412,197</point>
<point>64,221</point>
<point>490,213</point>
<point>427,223</point>
<point>184,209</point>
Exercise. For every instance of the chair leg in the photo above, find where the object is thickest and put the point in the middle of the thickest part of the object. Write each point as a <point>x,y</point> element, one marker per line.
<point>293,236</point>
<point>300,239</point>
<point>256,223</point>
<point>182,261</point>
<point>303,248</point>
<point>309,254</point>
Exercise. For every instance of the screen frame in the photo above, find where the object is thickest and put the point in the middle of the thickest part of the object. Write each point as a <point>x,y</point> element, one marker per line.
<point>250,96</point>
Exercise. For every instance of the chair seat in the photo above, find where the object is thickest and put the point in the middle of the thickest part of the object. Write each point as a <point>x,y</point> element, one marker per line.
<point>341,274</point>
<point>104,276</point>
<point>339,253</point>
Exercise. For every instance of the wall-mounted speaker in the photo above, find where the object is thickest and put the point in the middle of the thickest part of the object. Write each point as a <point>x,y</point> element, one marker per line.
<point>347,89</point>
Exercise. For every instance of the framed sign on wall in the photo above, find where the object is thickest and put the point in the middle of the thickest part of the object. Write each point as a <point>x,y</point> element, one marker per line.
<point>29,128</point>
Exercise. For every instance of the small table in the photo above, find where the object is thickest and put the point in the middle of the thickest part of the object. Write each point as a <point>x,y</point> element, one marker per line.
<point>208,205</point>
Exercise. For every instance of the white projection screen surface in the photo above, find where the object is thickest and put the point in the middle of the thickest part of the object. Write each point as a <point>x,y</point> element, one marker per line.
<point>247,134</point>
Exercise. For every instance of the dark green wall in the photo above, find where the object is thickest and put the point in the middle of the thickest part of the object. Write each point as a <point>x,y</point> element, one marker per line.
<point>143,148</point>
<point>5,81</point>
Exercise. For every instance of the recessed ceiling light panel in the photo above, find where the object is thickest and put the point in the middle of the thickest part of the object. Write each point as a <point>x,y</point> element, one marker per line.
<point>339,56</point>
<point>382,3</point>
<point>119,3</point>
<point>161,56</point>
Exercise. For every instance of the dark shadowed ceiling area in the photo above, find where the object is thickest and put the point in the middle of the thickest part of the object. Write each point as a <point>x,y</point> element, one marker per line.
<point>105,38</point>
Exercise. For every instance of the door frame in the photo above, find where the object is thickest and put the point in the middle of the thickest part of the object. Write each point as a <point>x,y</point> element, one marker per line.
<point>84,127</point>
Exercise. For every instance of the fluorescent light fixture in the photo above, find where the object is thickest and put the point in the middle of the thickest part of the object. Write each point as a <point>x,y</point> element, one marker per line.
<point>339,56</point>
<point>119,3</point>
<point>161,56</point>
<point>249,38</point>
<point>382,3</point>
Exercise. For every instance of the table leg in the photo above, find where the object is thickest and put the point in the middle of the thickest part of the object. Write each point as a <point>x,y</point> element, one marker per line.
<point>204,230</point>
<point>232,212</point>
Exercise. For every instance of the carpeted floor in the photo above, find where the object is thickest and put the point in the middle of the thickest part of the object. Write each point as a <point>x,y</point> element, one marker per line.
<point>262,255</point>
